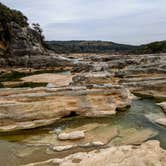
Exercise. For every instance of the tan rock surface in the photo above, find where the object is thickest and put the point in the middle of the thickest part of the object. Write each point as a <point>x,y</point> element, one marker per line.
<point>72,135</point>
<point>147,154</point>
<point>56,79</point>
<point>30,108</point>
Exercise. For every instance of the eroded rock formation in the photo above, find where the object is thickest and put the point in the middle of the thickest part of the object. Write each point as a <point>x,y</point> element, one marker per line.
<point>144,75</point>
<point>30,108</point>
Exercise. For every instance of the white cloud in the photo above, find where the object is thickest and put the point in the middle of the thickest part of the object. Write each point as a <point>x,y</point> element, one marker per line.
<point>128,21</point>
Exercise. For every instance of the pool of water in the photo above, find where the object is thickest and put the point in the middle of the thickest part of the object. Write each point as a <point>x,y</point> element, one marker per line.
<point>133,126</point>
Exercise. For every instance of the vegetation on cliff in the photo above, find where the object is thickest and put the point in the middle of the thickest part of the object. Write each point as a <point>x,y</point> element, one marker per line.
<point>9,15</point>
<point>17,38</point>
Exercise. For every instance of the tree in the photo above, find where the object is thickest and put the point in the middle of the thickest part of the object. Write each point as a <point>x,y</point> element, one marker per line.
<point>37,28</point>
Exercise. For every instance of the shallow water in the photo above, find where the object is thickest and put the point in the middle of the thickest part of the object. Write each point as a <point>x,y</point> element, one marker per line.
<point>133,127</point>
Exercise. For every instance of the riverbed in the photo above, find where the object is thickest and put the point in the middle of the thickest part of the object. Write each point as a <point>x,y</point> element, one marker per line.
<point>134,126</point>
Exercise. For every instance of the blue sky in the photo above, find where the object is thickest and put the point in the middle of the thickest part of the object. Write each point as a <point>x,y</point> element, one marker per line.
<point>122,21</point>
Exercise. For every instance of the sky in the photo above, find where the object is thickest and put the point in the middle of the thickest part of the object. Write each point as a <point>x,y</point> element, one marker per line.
<point>122,21</point>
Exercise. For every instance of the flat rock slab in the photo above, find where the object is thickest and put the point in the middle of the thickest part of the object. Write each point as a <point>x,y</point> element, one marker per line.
<point>55,79</point>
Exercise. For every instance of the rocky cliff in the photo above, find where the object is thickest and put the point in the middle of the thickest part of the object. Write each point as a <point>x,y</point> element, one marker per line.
<point>22,46</point>
<point>18,41</point>
<point>21,42</point>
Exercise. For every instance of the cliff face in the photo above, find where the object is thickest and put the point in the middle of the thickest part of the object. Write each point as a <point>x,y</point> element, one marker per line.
<point>17,39</point>
<point>22,46</point>
<point>24,41</point>
<point>18,42</point>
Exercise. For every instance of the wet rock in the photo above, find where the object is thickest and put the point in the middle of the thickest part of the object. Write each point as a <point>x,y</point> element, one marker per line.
<point>133,136</point>
<point>103,134</point>
<point>95,135</point>
<point>71,136</point>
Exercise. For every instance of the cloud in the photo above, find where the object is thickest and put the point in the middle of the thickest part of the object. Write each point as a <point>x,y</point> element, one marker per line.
<point>129,21</point>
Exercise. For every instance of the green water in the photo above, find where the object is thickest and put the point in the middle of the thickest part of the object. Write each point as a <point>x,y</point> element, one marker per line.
<point>34,145</point>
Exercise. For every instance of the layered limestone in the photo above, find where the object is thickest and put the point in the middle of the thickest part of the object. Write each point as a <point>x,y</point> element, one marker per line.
<point>144,75</point>
<point>30,108</point>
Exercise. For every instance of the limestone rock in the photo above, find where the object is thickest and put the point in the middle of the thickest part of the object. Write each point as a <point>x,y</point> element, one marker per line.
<point>53,80</point>
<point>30,108</point>
<point>60,148</point>
<point>71,136</point>
<point>147,154</point>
